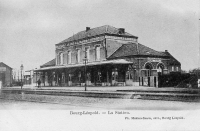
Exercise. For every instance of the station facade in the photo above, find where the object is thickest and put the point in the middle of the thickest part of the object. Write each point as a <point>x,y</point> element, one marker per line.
<point>105,56</point>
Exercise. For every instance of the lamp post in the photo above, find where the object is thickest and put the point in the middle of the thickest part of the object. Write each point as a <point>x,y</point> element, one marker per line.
<point>85,70</point>
<point>21,68</point>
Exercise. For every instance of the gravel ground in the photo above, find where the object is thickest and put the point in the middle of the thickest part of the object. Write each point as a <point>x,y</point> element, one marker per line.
<point>58,102</point>
<point>6,104</point>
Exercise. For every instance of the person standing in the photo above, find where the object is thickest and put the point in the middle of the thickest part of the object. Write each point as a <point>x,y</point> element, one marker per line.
<point>39,82</point>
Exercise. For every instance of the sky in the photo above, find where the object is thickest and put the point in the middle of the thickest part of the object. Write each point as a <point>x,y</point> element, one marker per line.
<point>29,29</point>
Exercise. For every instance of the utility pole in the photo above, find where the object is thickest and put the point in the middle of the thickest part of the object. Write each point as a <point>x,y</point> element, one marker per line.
<point>199,46</point>
<point>21,67</point>
<point>85,70</point>
<point>18,75</point>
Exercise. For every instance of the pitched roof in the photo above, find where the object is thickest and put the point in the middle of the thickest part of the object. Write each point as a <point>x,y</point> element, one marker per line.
<point>1,63</point>
<point>106,29</point>
<point>132,49</point>
<point>50,63</point>
<point>172,61</point>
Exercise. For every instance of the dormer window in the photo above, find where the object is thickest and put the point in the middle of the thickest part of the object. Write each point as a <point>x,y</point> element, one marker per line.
<point>121,30</point>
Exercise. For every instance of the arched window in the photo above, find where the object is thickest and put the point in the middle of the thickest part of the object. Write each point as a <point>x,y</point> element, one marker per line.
<point>97,53</point>
<point>148,68</point>
<point>160,68</point>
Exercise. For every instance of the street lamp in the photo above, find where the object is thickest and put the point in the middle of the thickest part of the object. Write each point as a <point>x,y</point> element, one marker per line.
<point>85,71</point>
<point>21,68</point>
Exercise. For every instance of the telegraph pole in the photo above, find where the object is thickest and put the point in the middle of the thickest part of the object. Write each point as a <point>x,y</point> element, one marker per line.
<point>199,45</point>
<point>21,67</point>
<point>85,70</point>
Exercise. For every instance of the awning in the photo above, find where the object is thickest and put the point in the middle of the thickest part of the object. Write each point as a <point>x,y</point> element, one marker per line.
<point>119,61</point>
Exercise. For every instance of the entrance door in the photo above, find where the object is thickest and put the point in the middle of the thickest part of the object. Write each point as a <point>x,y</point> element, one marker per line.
<point>149,81</point>
<point>129,78</point>
<point>114,77</point>
<point>70,80</point>
<point>155,81</point>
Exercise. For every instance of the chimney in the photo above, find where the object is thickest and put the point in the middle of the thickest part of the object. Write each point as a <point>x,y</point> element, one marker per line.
<point>166,50</point>
<point>87,28</point>
<point>121,30</point>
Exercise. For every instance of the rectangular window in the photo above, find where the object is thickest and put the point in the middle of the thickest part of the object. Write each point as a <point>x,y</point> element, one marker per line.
<point>69,57</point>
<point>87,51</point>
<point>61,58</point>
<point>172,68</point>
<point>57,62</point>
<point>177,68</point>
<point>78,56</point>
<point>65,58</point>
<point>97,52</point>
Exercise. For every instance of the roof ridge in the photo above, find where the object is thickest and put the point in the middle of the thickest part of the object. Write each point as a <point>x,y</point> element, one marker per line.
<point>6,65</point>
<point>96,31</point>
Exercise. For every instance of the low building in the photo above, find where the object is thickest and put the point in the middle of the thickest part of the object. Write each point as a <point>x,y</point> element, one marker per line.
<point>105,56</point>
<point>5,75</point>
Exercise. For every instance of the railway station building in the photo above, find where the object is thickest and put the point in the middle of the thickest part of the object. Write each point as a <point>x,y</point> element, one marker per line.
<point>5,75</point>
<point>105,56</point>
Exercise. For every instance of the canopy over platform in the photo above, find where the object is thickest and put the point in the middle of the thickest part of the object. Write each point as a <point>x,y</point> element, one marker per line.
<point>117,61</point>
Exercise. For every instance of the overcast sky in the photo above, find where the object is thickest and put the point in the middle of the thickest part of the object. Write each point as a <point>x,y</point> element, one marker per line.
<point>29,29</point>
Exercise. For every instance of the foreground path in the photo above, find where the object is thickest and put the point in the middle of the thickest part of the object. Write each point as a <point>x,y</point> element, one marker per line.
<point>51,102</point>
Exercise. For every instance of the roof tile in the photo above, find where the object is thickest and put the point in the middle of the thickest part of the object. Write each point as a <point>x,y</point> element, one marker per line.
<point>95,32</point>
<point>50,63</point>
<point>131,49</point>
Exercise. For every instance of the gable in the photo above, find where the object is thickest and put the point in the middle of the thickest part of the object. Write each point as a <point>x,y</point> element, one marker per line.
<point>4,65</point>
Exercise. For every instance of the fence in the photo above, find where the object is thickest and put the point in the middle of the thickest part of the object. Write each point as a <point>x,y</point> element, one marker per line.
<point>176,79</point>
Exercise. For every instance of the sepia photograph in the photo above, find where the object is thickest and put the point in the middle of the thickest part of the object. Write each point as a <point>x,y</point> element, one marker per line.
<point>99,65</point>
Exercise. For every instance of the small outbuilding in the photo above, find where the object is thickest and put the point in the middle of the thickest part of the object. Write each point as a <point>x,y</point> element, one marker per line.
<point>5,75</point>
